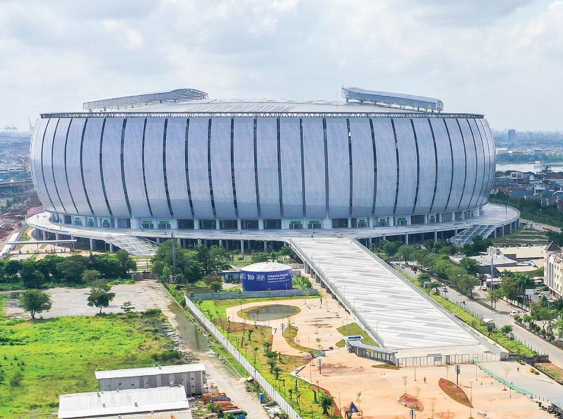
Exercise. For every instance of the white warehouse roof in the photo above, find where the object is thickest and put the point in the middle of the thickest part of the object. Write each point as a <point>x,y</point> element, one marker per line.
<point>90,405</point>
<point>143,372</point>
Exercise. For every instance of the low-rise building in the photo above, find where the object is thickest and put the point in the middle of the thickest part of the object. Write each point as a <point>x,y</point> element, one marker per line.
<point>151,403</point>
<point>190,376</point>
<point>553,270</point>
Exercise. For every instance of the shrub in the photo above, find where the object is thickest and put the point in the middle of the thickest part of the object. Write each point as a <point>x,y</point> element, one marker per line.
<point>153,312</point>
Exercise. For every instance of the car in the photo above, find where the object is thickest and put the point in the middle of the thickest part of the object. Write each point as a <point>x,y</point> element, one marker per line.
<point>444,289</point>
<point>514,312</point>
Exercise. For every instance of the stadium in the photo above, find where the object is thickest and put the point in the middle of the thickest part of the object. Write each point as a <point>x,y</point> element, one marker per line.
<point>180,162</point>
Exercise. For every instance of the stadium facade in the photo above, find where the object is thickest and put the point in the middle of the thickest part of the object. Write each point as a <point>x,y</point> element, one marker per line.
<point>194,163</point>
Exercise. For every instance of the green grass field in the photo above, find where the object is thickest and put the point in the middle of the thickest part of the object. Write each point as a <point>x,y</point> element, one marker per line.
<point>41,360</point>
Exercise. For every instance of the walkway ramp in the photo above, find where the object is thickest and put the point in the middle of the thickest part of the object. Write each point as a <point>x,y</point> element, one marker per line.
<point>467,235</point>
<point>133,245</point>
<point>402,316</point>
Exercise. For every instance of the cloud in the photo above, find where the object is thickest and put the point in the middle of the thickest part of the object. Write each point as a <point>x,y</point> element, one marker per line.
<point>502,58</point>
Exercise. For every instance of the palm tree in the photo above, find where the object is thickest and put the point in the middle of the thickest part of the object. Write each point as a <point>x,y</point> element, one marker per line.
<point>256,348</point>
<point>326,403</point>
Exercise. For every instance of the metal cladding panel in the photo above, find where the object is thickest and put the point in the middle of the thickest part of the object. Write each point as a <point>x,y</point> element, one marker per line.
<point>111,166</point>
<point>386,155</point>
<point>267,164</point>
<point>59,165</point>
<point>245,180</point>
<point>314,162</point>
<point>291,171</point>
<point>480,170</point>
<point>154,167</point>
<point>74,167</point>
<point>458,164</point>
<point>91,166</point>
<point>176,167</point>
<point>35,157</point>
<point>491,158</point>
<point>267,281</point>
<point>47,162</point>
<point>408,166</point>
<point>427,168</point>
<point>486,163</point>
<point>471,164</point>
<point>221,168</point>
<point>338,167</point>
<point>133,167</point>
<point>443,148</point>
<point>198,167</point>
<point>363,179</point>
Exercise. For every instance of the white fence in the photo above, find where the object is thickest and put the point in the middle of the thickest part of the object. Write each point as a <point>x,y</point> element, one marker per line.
<point>266,386</point>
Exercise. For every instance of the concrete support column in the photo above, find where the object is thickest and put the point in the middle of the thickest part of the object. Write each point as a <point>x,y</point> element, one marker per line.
<point>57,236</point>
<point>217,225</point>
<point>196,224</point>
<point>239,225</point>
<point>220,242</point>
<point>406,238</point>
<point>265,246</point>
<point>435,235</point>
<point>510,228</point>
<point>349,222</point>
<point>44,234</point>
<point>198,241</point>
<point>111,248</point>
<point>242,246</point>
<point>92,244</point>
<point>158,240</point>
<point>455,234</point>
<point>260,224</point>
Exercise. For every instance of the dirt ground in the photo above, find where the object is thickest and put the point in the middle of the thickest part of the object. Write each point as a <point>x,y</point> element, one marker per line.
<point>345,375</point>
<point>73,301</point>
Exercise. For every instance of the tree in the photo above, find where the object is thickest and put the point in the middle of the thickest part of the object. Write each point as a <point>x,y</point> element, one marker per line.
<point>100,295</point>
<point>506,329</point>
<point>127,306</point>
<point>35,302</point>
<point>126,263</point>
<point>326,403</point>
<point>470,265</point>
<point>494,296</point>
<point>31,277</point>
<point>216,287</point>
<point>259,257</point>
<point>90,275</point>
<point>404,252</point>
<point>71,268</point>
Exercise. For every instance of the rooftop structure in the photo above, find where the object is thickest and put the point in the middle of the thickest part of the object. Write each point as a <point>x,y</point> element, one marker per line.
<point>178,95</point>
<point>393,100</point>
<point>124,403</point>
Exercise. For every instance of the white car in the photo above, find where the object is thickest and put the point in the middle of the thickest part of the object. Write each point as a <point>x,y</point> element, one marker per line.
<point>514,312</point>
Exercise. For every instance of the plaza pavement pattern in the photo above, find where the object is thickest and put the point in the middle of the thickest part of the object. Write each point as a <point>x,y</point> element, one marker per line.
<point>404,319</point>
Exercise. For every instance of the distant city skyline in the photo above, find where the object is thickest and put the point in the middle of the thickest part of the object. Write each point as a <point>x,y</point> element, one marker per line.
<point>499,58</point>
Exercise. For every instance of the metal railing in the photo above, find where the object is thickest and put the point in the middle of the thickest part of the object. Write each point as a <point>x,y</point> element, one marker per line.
<point>505,382</point>
<point>273,394</point>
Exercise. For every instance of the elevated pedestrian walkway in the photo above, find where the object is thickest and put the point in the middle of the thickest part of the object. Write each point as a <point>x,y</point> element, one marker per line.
<point>396,313</point>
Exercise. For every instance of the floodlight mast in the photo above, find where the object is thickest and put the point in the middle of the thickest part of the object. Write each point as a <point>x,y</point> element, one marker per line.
<point>126,102</point>
<point>392,100</point>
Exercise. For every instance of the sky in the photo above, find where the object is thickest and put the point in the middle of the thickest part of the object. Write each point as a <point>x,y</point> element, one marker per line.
<point>501,58</point>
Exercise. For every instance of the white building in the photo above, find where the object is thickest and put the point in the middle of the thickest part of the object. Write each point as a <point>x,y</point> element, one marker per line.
<point>553,272</point>
<point>190,376</point>
<point>153,403</point>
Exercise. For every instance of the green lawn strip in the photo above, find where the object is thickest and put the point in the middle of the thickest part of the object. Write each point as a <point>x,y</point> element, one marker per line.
<point>353,329</point>
<point>46,358</point>
<point>289,334</point>
<point>510,345</point>
<point>239,337</point>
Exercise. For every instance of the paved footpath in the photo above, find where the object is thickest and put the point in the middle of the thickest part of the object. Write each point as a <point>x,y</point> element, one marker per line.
<point>502,317</point>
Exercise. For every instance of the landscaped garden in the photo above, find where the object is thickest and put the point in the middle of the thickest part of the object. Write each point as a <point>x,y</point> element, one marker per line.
<point>39,360</point>
<point>254,341</point>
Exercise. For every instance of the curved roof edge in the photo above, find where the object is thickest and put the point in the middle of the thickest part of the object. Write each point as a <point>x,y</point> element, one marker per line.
<point>178,95</point>
<point>398,100</point>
